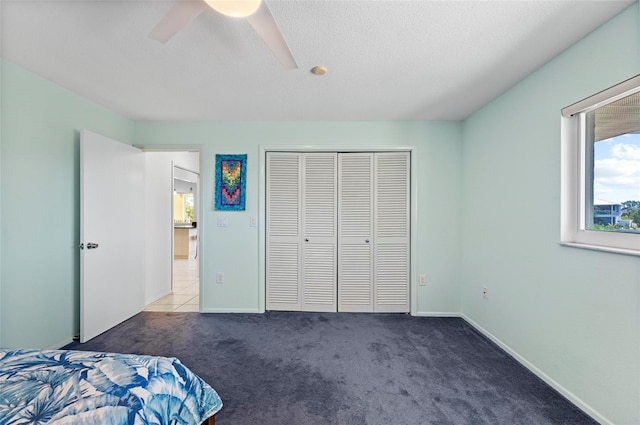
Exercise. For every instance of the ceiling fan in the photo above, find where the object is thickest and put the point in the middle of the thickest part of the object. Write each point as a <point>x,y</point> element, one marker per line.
<point>255,12</point>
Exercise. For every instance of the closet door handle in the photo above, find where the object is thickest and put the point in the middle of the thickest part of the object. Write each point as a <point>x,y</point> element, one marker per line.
<point>306,239</point>
<point>366,240</point>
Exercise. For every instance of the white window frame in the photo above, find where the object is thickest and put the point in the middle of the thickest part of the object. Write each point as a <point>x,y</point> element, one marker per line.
<point>577,176</point>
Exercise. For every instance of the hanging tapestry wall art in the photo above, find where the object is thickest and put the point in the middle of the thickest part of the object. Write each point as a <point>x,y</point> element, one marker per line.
<point>231,174</point>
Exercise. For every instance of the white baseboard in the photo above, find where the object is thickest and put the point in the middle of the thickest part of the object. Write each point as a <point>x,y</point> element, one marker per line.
<point>436,314</point>
<point>230,310</point>
<point>152,300</point>
<point>59,345</point>
<point>540,374</point>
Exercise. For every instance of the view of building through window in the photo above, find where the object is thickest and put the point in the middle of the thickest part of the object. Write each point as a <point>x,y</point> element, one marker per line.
<point>616,183</point>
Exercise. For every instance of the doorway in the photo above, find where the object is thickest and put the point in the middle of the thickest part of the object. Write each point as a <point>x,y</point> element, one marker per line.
<point>185,281</point>
<point>173,205</point>
<point>338,231</point>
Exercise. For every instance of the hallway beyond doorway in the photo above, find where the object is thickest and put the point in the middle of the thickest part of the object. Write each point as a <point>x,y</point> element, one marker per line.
<point>185,296</point>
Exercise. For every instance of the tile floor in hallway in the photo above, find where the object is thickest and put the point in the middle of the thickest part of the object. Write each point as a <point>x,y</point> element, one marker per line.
<point>185,289</point>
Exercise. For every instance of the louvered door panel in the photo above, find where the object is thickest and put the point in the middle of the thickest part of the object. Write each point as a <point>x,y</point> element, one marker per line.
<point>392,195</point>
<point>391,278</point>
<point>319,194</point>
<point>355,217</point>
<point>355,195</point>
<point>282,276</point>
<point>391,232</point>
<point>283,223</point>
<point>319,232</point>
<point>355,278</point>
<point>319,276</point>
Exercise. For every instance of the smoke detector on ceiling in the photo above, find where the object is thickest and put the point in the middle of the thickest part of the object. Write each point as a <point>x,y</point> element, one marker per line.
<point>319,70</point>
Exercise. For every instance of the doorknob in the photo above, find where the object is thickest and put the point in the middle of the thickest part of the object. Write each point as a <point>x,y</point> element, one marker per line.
<point>92,245</point>
<point>306,240</point>
<point>366,240</point>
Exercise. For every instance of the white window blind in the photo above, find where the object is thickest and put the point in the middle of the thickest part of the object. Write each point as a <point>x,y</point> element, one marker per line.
<point>616,118</point>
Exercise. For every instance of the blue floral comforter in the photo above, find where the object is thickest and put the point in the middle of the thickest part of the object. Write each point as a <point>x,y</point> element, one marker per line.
<point>78,387</point>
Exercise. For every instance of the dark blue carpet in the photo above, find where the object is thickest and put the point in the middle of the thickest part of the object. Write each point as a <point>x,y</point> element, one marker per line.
<point>339,368</point>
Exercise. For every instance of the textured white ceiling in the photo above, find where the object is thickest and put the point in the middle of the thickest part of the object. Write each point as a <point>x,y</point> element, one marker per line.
<point>387,60</point>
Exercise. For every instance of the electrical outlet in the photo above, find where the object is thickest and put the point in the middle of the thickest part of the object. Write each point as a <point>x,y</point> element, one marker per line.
<point>423,280</point>
<point>219,277</point>
<point>485,293</point>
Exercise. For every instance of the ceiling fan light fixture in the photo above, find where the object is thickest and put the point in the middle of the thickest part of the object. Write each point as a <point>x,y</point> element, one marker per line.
<point>235,8</point>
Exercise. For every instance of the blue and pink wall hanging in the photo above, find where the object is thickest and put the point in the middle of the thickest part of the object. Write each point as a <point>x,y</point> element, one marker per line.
<point>231,179</point>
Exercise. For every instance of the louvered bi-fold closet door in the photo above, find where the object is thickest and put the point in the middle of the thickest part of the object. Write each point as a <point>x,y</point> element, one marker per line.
<point>355,232</point>
<point>319,233</point>
<point>283,221</point>
<point>391,232</point>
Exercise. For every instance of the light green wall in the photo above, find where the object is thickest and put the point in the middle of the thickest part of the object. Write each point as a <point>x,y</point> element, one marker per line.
<point>574,314</point>
<point>40,199</point>
<point>40,205</point>
<point>234,249</point>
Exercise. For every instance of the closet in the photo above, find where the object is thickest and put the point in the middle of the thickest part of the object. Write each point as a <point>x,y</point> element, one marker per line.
<point>337,231</point>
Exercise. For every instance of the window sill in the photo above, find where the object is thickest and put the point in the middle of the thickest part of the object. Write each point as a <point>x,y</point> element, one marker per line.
<point>609,249</point>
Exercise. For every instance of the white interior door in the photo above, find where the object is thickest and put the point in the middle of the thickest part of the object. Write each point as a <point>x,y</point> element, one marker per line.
<point>112,232</point>
<point>355,232</point>
<point>319,207</point>
<point>391,232</point>
<point>283,231</point>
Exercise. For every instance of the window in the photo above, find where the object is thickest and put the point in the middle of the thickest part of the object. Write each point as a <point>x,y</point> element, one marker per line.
<point>183,208</point>
<point>183,201</point>
<point>601,170</point>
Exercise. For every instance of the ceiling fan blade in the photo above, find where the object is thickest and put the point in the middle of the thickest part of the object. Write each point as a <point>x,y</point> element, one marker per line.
<point>263,23</point>
<point>178,17</point>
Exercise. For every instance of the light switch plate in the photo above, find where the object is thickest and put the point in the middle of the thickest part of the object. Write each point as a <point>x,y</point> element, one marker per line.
<point>223,222</point>
<point>253,221</point>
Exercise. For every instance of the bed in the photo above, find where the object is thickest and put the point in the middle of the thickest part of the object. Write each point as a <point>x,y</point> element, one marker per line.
<point>61,387</point>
